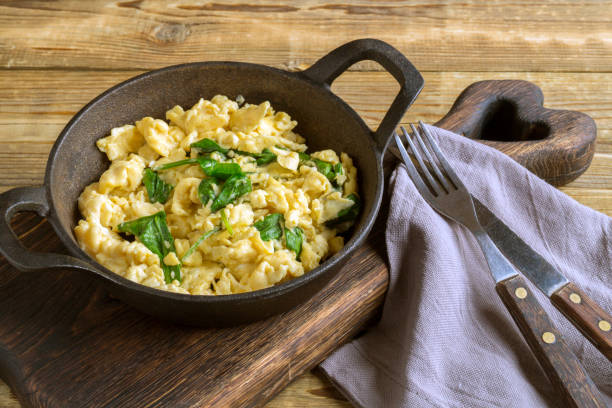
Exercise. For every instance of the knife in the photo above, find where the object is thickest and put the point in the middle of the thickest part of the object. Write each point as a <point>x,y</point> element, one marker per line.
<point>586,315</point>
<point>580,309</point>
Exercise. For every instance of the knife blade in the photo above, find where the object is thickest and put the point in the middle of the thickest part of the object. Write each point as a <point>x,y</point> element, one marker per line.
<point>537,269</point>
<point>521,255</point>
<point>586,315</point>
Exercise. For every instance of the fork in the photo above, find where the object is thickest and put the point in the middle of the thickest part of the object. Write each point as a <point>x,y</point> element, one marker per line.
<point>440,186</point>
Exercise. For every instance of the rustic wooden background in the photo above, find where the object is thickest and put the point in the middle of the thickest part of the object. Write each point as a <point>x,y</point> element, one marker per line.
<point>57,55</point>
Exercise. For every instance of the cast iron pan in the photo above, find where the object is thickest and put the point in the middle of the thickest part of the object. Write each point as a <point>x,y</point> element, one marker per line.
<point>324,119</point>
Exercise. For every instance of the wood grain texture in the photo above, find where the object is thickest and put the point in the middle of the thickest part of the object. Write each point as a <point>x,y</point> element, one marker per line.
<point>42,101</point>
<point>272,376</point>
<point>508,115</point>
<point>7,398</point>
<point>311,389</point>
<point>546,342</point>
<point>500,35</point>
<point>54,358</point>
<point>301,391</point>
<point>587,315</point>
<point>83,48</point>
<point>36,104</point>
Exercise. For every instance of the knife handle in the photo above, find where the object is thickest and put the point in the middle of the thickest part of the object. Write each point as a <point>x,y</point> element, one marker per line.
<point>586,315</point>
<point>559,363</point>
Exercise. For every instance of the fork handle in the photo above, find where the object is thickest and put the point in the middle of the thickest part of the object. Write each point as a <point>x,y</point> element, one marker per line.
<point>559,363</point>
<point>588,316</point>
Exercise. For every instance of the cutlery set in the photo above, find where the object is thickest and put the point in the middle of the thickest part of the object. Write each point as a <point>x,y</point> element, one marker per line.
<point>505,252</point>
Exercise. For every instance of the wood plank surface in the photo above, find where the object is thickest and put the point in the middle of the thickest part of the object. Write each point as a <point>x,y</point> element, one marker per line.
<point>499,35</point>
<point>36,104</point>
<point>43,107</point>
<point>64,342</point>
<point>55,56</point>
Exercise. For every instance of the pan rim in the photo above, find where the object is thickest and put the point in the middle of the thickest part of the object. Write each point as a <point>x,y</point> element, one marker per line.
<point>337,259</point>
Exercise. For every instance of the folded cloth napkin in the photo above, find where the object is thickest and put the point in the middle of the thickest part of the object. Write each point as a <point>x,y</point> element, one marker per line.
<point>445,339</point>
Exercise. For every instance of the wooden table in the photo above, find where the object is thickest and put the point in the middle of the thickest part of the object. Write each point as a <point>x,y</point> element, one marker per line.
<point>58,55</point>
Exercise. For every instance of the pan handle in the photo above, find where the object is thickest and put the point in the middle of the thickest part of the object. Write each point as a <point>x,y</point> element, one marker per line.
<point>328,68</point>
<point>29,199</point>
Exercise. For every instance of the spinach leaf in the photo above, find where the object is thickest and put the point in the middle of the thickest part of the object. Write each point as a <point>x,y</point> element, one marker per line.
<point>183,162</point>
<point>209,166</point>
<point>213,168</point>
<point>192,248</point>
<point>265,157</point>
<point>348,214</point>
<point>329,170</point>
<point>338,168</point>
<point>304,158</point>
<point>270,227</point>
<point>209,146</point>
<point>157,189</point>
<point>206,192</point>
<point>153,232</point>
<point>206,164</point>
<point>226,223</point>
<point>293,240</point>
<point>234,187</point>
<point>222,171</point>
<point>326,169</point>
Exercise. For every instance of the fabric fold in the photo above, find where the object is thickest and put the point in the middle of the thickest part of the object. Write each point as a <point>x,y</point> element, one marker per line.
<point>445,338</point>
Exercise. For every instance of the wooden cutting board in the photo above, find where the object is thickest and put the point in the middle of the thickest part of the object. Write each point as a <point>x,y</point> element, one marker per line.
<point>65,343</point>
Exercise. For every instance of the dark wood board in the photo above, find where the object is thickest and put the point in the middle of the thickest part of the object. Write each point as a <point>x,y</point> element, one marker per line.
<point>65,343</point>
<point>508,115</point>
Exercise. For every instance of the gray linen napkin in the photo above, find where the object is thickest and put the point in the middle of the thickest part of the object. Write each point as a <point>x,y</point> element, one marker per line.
<point>445,339</point>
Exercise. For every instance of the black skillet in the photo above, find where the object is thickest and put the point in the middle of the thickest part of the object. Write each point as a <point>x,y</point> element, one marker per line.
<point>324,119</point>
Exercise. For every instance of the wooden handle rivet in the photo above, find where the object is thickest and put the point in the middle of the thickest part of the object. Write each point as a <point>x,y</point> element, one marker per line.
<point>521,293</point>
<point>575,298</point>
<point>548,337</point>
<point>604,325</point>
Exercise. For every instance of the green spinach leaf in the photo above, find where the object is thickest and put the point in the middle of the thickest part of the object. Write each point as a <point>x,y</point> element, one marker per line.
<point>293,240</point>
<point>325,168</point>
<point>222,171</point>
<point>153,232</point>
<point>304,158</point>
<point>226,223</point>
<point>209,166</point>
<point>209,146</point>
<point>183,162</point>
<point>270,227</point>
<point>329,170</point>
<point>157,189</point>
<point>206,190</point>
<point>234,187</point>
<point>265,157</point>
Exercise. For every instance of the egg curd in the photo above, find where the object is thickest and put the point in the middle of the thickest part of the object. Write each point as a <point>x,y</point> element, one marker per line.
<point>218,199</point>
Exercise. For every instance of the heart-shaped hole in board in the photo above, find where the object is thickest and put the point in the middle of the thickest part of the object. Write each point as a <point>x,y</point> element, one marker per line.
<point>501,122</point>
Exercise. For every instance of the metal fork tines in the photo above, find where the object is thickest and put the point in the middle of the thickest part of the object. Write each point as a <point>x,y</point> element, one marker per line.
<point>437,182</point>
<point>443,190</point>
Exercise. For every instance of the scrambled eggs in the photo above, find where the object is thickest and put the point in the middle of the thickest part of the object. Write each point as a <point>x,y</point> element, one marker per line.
<point>219,199</point>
